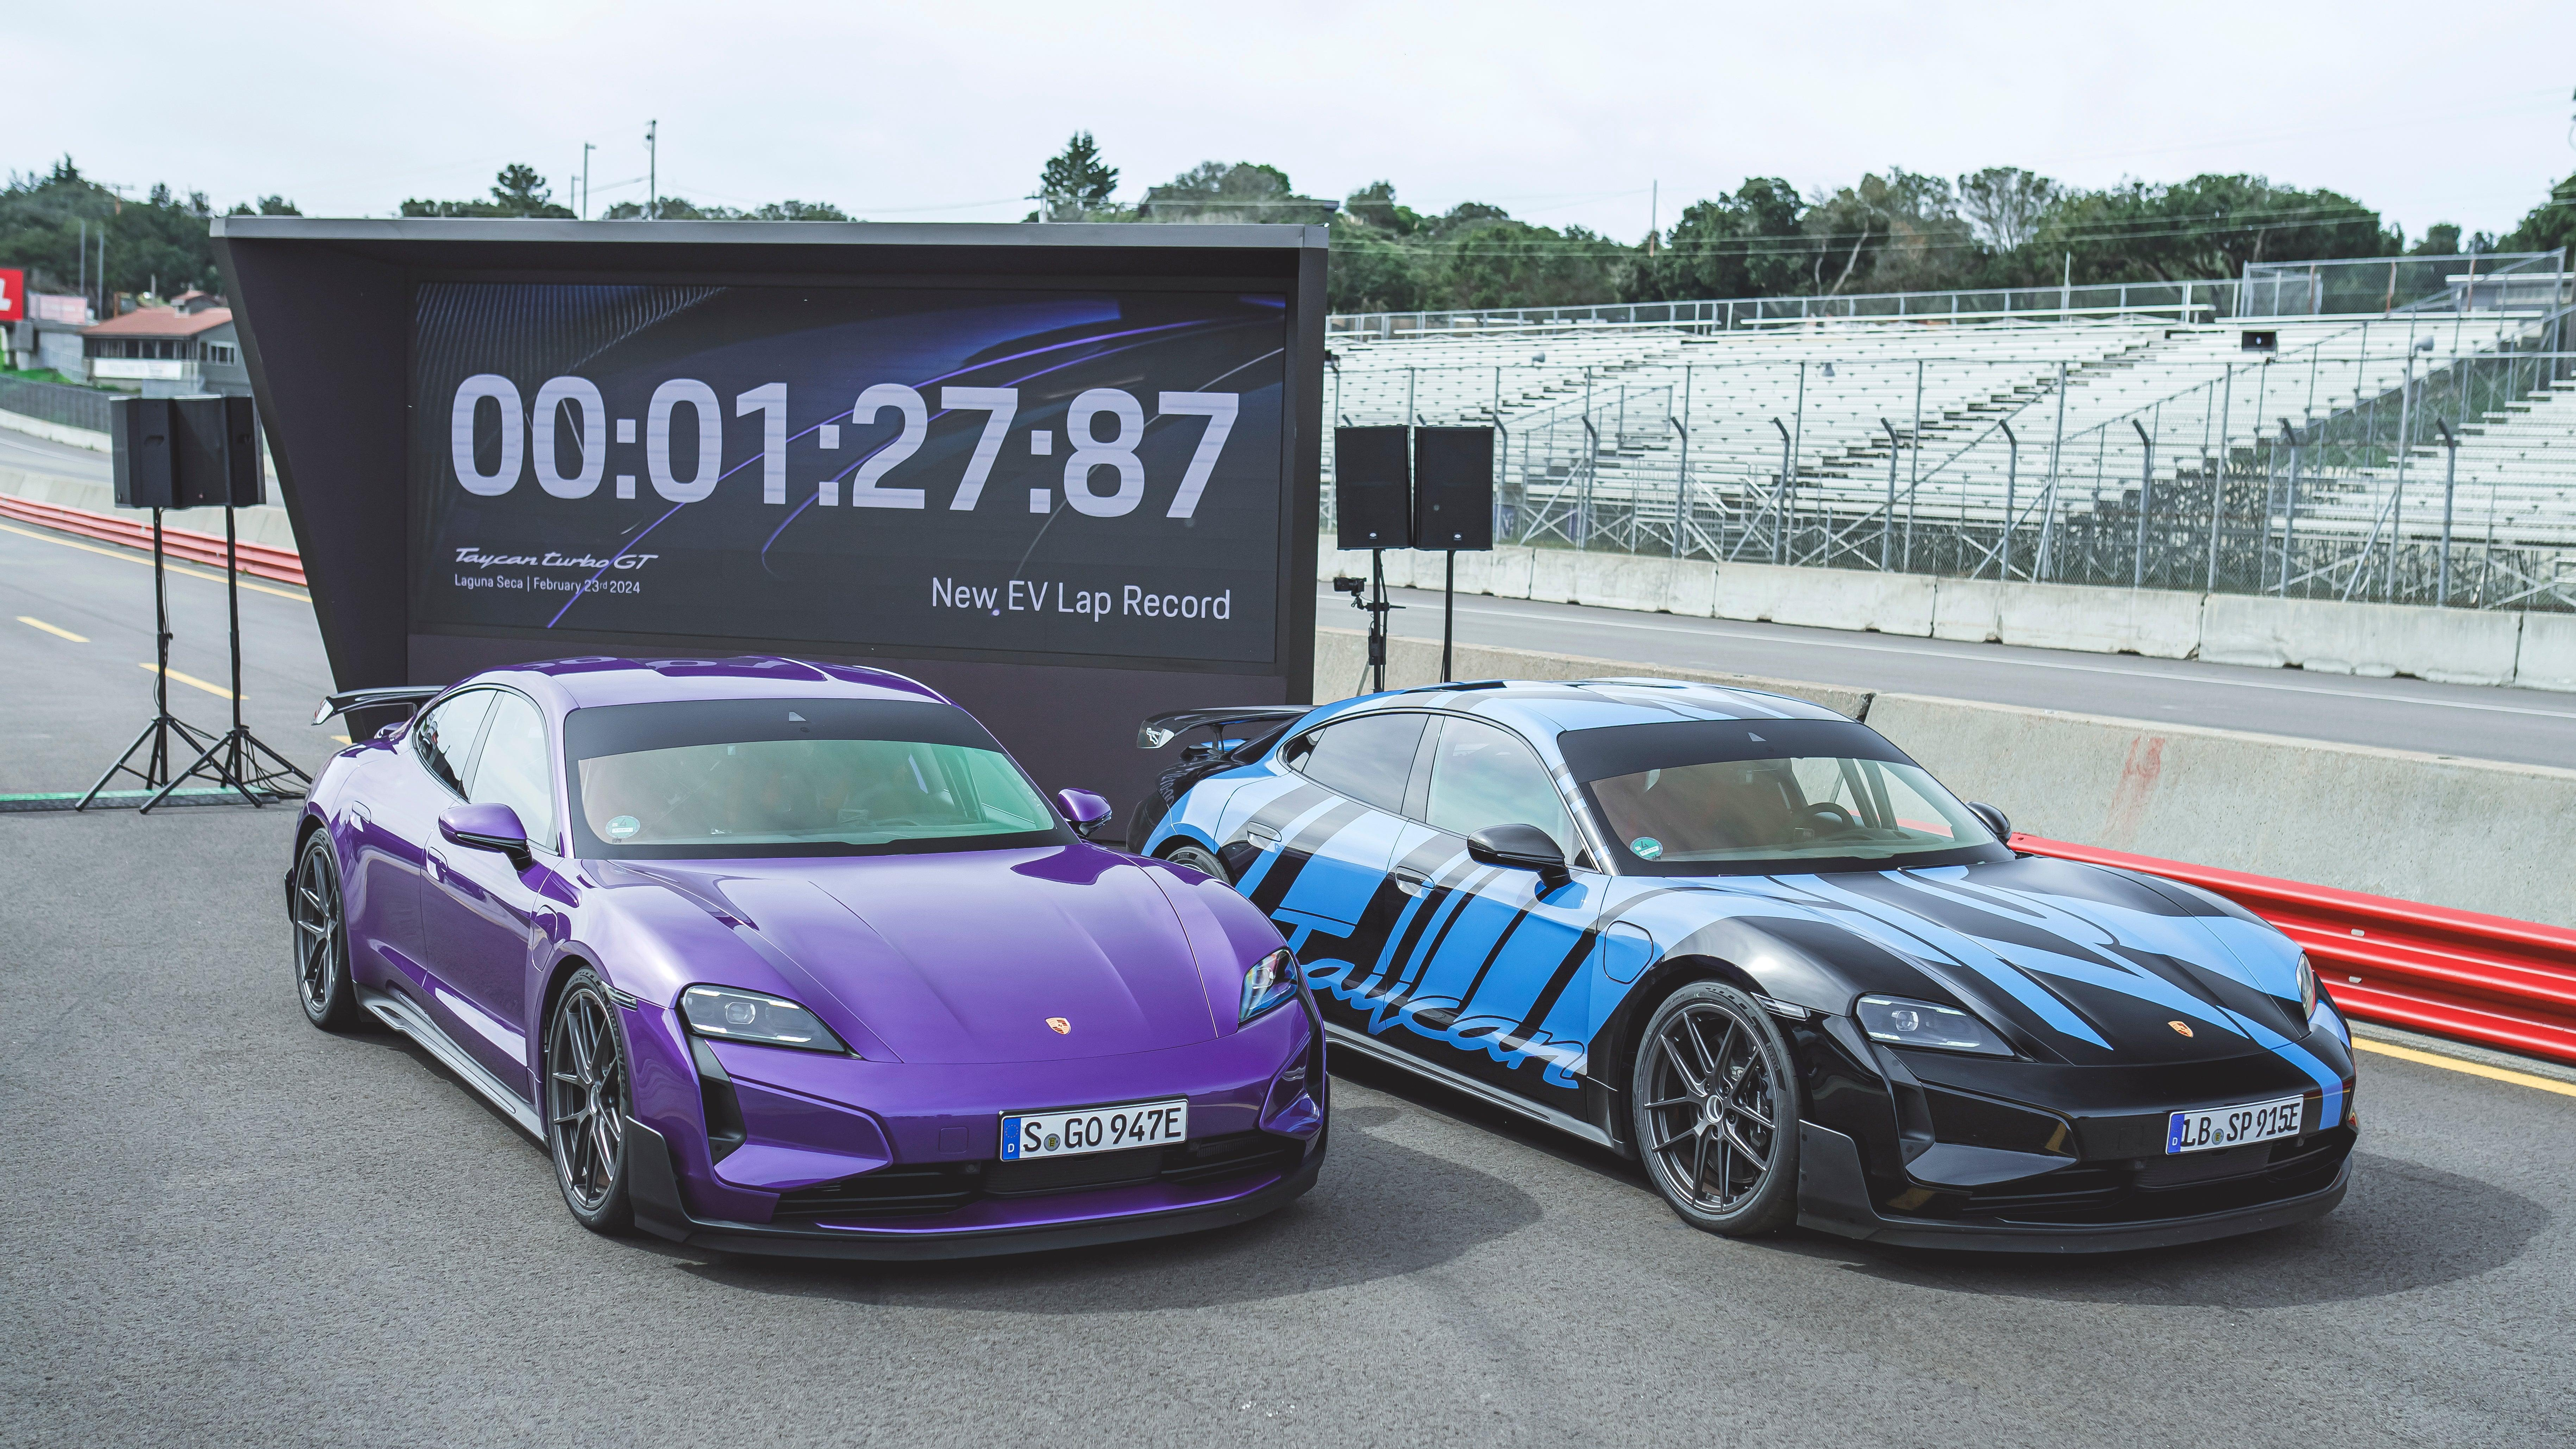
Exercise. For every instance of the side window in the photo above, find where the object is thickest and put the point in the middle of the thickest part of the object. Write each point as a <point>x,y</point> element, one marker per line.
<point>513,768</point>
<point>445,736</point>
<point>1483,775</point>
<point>1368,759</point>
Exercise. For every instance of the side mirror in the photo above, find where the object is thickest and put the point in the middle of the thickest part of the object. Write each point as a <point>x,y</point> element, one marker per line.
<point>1521,847</point>
<point>1084,811</point>
<point>1995,819</point>
<point>486,827</point>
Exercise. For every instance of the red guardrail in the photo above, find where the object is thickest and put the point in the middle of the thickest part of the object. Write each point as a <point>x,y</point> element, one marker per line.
<point>281,564</point>
<point>2487,979</point>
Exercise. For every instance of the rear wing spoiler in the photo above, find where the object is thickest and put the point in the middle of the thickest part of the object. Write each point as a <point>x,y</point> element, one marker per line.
<point>383,697</point>
<point>1161,729</point>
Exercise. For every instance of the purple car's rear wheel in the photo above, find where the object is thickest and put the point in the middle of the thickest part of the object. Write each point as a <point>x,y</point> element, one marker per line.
<point>313,908</point>
<point>586,1104</point>
<point>1717,1111</point>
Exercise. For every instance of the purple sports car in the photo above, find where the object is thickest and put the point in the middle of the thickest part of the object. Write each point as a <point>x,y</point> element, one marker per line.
<point>781,957</point>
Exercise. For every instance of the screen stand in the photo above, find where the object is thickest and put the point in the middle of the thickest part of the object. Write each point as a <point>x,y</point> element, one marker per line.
<point>155,771</point>
<point>238,758</point>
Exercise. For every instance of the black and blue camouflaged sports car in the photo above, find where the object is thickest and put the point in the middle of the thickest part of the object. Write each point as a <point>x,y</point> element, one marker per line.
<point>1747,940</point>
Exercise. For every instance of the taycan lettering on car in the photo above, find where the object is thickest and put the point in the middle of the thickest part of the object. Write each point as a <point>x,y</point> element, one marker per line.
<point>794,958</point>
<point>1749,941</point>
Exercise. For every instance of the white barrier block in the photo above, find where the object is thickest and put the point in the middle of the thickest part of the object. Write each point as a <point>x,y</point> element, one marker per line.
<point>2158,622</point>
<point>1968,609</point>
<point>2548,656</point>
<point>1508,576</point>
<point>1623,581</point>
<point>1552,575</point>
<point>2452,646</point>
<point>1411,662</point>
<point>1694,589</point>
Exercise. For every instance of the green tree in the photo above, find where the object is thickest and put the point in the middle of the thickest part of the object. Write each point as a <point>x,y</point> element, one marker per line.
<point>1901,232</point>
<point>1375,205</point>
<point>1488,260</point>
<point>2550,225</point>
<point>1214,191</point>
<point>268,206</point>
<point>2207,227</point>
<point>518,191</point>
<point>161,239</point>
<point>2005,205</point>
<point>1750,244</point>
<point>1076,185</point>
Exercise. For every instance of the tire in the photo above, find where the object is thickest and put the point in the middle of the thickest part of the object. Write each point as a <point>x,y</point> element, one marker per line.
<point>1731,1168</point>
<point>587,1097</point>
<point>317,912</point>
<point>1201,859</point>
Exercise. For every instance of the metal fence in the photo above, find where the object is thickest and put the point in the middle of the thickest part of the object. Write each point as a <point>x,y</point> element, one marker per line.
<point>52,402</point>
<point>2423,460</point>
<point>2377,285</point>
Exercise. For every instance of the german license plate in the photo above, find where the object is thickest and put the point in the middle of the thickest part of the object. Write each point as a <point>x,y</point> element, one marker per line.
<point>1026,1135</point>
<point>2234,1126</point>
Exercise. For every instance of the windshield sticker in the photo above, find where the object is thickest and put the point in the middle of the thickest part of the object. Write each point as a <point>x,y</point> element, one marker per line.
<point>1646,847</point>
<point>623,827</point>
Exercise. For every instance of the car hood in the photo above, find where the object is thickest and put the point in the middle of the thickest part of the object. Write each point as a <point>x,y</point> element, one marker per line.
<point>964,957</point>
<point>2091,963</point>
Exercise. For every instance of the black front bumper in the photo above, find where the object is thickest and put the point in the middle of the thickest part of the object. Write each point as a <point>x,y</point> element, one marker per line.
<point>1833,1197</point>
<point>655,1191</point>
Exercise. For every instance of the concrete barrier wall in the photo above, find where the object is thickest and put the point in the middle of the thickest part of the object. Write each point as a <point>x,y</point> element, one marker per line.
<point>266,524</point>
<point>2454,646</point>
<point>76,437</point>
<point>2475,835</point>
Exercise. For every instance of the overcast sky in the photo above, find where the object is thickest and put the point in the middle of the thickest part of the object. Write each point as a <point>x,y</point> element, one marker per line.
<point>1560,113</point>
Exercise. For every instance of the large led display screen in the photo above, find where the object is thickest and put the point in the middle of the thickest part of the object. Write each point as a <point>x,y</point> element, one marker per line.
<point>1085,474</point>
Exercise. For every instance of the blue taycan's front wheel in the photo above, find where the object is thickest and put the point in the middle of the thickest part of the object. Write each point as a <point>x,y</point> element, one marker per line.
<point>1717,1109</point>
<point>1201,859</point>
<point>586,1104</point>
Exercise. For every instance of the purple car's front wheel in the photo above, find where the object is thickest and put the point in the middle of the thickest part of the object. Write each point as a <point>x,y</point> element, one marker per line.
<point>586,1095</point>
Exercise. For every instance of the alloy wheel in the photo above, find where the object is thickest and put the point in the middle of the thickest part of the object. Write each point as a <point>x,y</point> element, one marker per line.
<point>319,942</point>
<point>1712,1116</point>
<point>586,1092</point>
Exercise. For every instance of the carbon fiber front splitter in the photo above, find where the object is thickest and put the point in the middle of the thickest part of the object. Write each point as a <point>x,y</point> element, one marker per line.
<point>1833,1197</point>
<point>655,1191</point>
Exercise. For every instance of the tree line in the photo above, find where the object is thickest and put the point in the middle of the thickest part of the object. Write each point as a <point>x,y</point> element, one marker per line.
<point>1899,232</point>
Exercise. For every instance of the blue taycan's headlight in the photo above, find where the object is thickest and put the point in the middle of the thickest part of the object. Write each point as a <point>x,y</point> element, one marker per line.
<point>1272,980</point>
<point>721,1011</point>
<point>2307,989</point>
<point>1899,1022</point>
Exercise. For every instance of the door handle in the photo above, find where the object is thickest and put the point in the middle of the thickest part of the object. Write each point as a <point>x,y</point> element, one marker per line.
<point>1260,834</point>
<point>1411,882</point>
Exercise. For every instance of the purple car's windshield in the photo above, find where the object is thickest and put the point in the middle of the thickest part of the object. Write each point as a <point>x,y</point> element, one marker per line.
<point>718,778</point>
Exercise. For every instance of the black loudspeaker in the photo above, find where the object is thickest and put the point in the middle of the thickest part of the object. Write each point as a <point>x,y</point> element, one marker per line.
<point>215,452</point>
<point>2264,341</point>
<point>139,433</point>
<point>1372,488</point>
<point>1453,489</point>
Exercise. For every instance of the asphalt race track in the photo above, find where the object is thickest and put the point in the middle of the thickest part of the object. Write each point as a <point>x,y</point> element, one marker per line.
<point>2526,725</point>
<point>225,1227</point>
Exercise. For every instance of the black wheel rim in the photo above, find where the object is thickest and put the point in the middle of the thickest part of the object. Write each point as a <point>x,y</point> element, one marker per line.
<point>587,1082</point>
<point>1712,1129</point>
<point>316,913</point>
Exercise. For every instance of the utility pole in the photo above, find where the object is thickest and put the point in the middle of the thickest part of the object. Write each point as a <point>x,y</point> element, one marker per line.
<point>652,171</point>
<point>586,149</point>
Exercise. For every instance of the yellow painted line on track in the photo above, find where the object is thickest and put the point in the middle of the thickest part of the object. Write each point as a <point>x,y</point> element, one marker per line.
<point>2454,1064</point>
<point>214,689</point>
<point>33,622</point>
<point>129,556</point>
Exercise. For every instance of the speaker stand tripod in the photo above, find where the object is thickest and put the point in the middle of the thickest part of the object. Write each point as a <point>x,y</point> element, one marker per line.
<point>154,741</point>
<point>238,758</point>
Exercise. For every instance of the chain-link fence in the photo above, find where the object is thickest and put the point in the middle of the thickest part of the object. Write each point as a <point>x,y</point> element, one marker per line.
<point>52,402</point>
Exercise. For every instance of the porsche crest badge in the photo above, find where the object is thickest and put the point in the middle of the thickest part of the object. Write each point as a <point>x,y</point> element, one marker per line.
<point>1062,1027</point>
<point>2180,1027</point>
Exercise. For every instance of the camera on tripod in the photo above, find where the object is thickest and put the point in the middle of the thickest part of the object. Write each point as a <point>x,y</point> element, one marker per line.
<point>1345,584</point>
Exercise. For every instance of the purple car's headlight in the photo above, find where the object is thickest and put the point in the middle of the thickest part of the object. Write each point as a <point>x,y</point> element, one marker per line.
<point>720,1011</point>
<point>1272,980</point>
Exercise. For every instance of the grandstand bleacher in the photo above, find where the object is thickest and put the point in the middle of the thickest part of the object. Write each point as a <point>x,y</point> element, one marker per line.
<point>2291,469</point>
